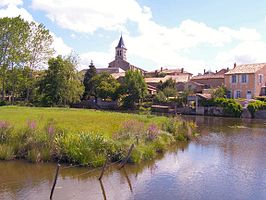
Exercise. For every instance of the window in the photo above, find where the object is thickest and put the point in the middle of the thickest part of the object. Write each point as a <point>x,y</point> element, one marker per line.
<point>244,78</point>
<point>229,94</point>
<point>233,78</point>
<point>260,78</point>
<point>238,94</point>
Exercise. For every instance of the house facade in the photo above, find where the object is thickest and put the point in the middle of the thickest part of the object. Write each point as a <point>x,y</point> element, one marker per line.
<point>211,79</point>
<point>246,81</point>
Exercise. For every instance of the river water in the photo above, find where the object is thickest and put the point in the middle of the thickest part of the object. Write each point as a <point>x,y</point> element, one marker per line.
<point>227,162</point>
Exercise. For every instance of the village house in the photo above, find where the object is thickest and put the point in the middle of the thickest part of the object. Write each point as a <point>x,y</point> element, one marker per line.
<point>154,81</point>
<point>246,81</point>
<point>167,72</point>
<point>211,79</point>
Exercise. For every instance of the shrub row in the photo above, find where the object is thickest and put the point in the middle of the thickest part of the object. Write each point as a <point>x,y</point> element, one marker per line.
<point>48,143</point>
<point>254,106</point>
<point>230,106</point>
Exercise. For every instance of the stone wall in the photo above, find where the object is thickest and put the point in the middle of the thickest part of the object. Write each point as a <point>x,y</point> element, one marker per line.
<point>260,114</point>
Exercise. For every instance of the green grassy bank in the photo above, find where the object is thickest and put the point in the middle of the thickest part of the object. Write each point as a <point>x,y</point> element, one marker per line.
<point>85,136</point>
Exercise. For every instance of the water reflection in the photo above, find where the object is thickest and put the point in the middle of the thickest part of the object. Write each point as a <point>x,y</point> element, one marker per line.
<point>227,162</point>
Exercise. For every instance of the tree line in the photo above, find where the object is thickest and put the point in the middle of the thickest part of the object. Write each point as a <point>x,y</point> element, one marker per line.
<point>26,50</point>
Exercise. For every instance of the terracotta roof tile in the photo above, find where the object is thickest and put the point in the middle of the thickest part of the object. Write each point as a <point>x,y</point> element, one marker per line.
<point>207,76</point>
<point>177,78</point>
<point>247,68</point>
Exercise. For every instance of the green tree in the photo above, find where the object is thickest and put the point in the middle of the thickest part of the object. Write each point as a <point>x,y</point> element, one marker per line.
<point>14,33</point>
<point>87,81</point>
<point>39,45</point>
<point>106,86</point>
<point>134,88</point>
<point>169,92</point>
<point>219,92</point>
<point>169,83</point>
<point>60,85</point>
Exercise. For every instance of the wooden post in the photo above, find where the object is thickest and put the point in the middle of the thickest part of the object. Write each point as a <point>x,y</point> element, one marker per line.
<point>103,191</point>
<point>55,180</point>
<point>137,139</point>
<point>127,157</point>
<point>104,166</point>
<point>128,180</point>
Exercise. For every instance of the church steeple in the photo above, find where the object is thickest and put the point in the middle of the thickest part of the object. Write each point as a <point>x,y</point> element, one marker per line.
<point>120,50</point>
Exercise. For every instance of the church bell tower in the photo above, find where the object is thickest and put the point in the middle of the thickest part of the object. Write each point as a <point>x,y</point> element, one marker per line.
<point>121,50</point>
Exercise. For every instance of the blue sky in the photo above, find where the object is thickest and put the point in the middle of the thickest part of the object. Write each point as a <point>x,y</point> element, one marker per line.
<point>194,34</point>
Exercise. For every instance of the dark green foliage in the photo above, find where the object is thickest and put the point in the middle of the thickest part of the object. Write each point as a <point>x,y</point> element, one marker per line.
<point>160,97</point>
<point>60,85</point>
<point>87,82</point>
<point>170,83</point>
<point>133,88</point>
<point>24,47</point>
<point>14,33</point>
<point>219,92</point>
<point>254,106</point>
<point>105,86</point>
<point>230,106</point>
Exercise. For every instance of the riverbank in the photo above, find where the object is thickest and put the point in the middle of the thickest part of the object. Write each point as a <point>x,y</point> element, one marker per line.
<point>85,137</point>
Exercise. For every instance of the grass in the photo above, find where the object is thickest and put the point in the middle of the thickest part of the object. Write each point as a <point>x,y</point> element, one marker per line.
<point>85,137</point>
<point>73,120</point>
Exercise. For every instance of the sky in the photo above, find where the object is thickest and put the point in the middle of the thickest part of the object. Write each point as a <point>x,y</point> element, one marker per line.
<point>193,34</point>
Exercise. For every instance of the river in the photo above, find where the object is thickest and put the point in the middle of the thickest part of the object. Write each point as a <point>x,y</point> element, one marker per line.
<point>228,161</point>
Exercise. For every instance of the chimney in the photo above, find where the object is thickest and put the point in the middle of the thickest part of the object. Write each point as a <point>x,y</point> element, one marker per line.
<point>216,71</point>
<point>234,65</point>
<point>227,69</point>
<point>182,70</point>
<point>161,69</point>
<point>204,71</point>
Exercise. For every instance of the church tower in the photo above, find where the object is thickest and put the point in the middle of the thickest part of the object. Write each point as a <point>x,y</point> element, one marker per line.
<point>120,50</point>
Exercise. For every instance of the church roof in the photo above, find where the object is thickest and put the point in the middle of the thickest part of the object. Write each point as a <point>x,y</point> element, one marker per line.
<point>121,43</point>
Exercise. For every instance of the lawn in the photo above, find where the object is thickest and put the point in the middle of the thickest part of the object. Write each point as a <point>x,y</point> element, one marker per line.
<point>85,136</point>
<point>75,120</point>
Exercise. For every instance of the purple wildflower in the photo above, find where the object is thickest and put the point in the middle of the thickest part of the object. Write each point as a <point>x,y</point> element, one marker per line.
<point>4,125</point>
<point>32,124</point>
<point>152,131</point>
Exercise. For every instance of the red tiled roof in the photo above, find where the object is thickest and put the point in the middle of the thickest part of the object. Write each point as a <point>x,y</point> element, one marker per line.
<point>177,78</point>
<point>168,71</point>
<point>208,76</point>
<point>247,68</point>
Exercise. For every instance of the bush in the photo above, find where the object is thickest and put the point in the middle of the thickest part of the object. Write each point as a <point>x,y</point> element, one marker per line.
<point>160,97</point>
<point>180,129</point>
<point>3,103</point>
<point>255,106</point>
<point>5,131</point>
<point>231,107</point>
<point>6,152</point>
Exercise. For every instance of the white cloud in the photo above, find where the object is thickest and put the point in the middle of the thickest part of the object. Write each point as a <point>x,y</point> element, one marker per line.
<point>158,43</point>
<point>88,16</point>
<point>9,8</point>
<point>100,59</point>
<point>245,52</point>
<point>10,2</point>
<point>59,45</point>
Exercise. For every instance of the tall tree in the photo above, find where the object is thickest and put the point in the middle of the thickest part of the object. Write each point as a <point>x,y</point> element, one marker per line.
<point>13,38</point>
<point>134,88</point>
<point>60,85</point>
<point>106,86</point>
<point>39,45</point>
<point>88,83</point>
